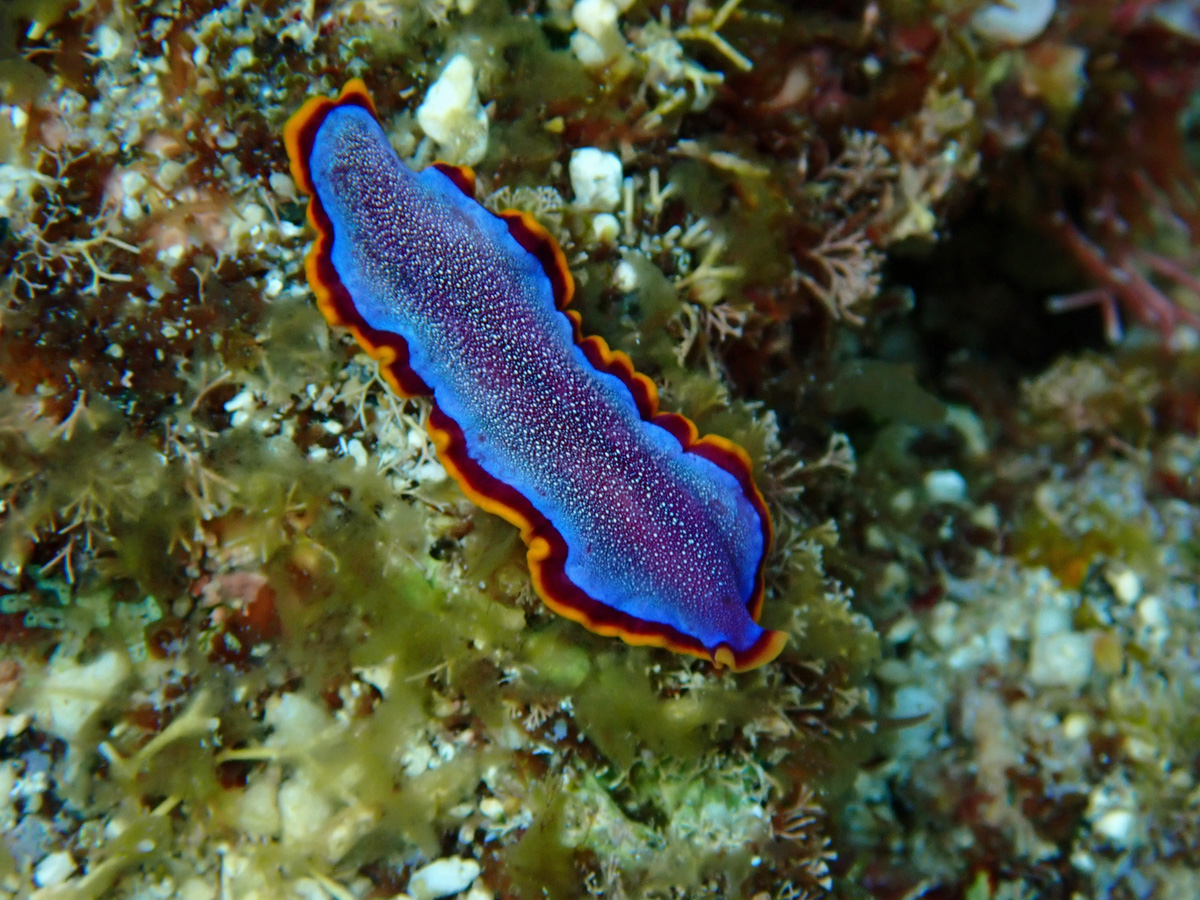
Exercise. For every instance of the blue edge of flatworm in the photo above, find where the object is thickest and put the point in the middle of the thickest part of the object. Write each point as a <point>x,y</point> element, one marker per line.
<point>547,550</point>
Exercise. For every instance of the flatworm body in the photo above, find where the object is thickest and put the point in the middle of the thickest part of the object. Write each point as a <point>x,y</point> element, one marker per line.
<point>635,525</point>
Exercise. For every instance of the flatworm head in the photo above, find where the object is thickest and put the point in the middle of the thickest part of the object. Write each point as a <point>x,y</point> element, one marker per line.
<point>334,301</point>
<point>636,526</point>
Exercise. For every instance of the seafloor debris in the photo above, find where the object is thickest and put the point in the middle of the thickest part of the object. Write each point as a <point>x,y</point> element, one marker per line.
<point>254,643</point>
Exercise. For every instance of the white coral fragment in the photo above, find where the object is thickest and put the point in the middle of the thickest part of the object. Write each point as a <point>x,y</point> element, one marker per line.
<point>73,694</point>
<point>295,720</point>
<point>1061,660</point>
<point>596,178</point>
<point>108,42</point>
<point>303,811</point>
<point>257,807</point>
<point>452,115</point>
<point>54,869</point>
<point>598,40</point>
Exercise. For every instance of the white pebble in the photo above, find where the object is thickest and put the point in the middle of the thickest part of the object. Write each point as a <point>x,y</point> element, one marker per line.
<point>1151,613</point>
<point>241,58</point>
<point>132,183</point>
<point>357,452</point>
<point>417,759</point>
<point>595,18</point>
<point>1153,624</point>
<point>605,228</point>
<point>253,214</point>
<point>942,624</point>
<point>1061,660</point>
<point>429,473</point>
<point>243,400</point>
<point>595,178</point>
<point>945,486</point>
<point>625,277</point>
<point>588,51</point>
<point>170,255</point>
<point>1076,726</point>
<point>378,676</point>
<point>168,173</point>
<point>443,878</point>
<point>108,42</point>
<point>1013,21</point>
<point>282,185</point>
<point>1126,585</point>
<point>902,630</point>
<point>1141,751</point>
<point>54,869</point>
<point>1053,615</point>
<point>294,720</point>
<point>986,516</point>
<point>303,812</point>
<point>1116,826</point>
<point>491,807</point>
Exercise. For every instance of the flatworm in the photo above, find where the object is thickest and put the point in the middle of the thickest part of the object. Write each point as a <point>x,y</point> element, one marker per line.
<point>635,525</point>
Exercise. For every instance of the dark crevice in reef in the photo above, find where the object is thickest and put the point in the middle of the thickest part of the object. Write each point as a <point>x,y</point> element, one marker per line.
<point>981,295</point>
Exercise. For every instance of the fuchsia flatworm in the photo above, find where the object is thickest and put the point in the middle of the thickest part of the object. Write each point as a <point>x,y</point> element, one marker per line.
<point>635,525</point>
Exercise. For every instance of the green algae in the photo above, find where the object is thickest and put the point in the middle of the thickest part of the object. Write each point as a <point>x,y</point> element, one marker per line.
<point>20,80</point>
<point>648,309</point>
<point>539,864</point>
<point>641,719</point>
<point>886,391</point>
<point>556,658</point>
<point>667,827</point>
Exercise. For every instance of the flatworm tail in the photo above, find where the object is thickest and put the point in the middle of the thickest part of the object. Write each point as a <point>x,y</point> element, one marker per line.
<point>389,349</point>
<point>547,558</point>
<point>547,551</point>
<point>717,450</point>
